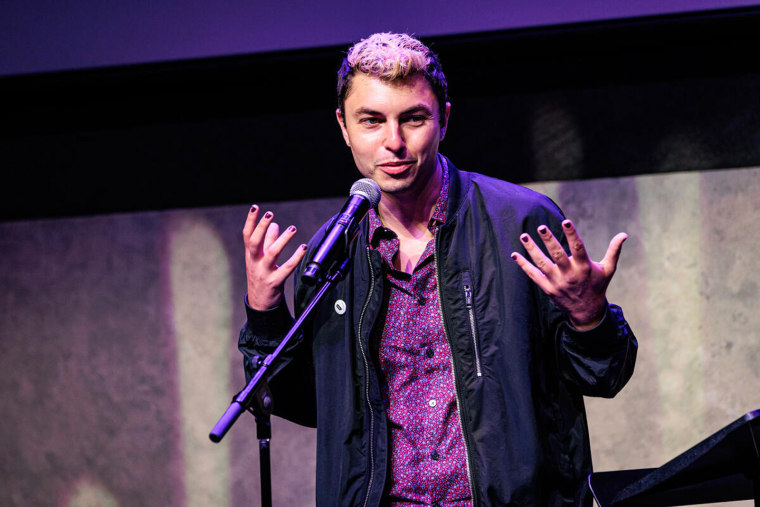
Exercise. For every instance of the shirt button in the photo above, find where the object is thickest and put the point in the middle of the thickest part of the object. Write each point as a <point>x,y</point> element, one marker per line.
<point>431,403</point>
<point>434,456</point>
<point>430,352</point>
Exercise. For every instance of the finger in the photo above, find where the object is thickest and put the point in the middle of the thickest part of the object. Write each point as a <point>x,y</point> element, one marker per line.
<point>273,232</point>
<point>260,231</point>
<point>556,252</point>
<point>278,245</point>
<point>577,248</point>
<point>292,263</point>
<point>610,260</point>
<point>532,271</point>
<point>250,222</point>
<point>541,261</point>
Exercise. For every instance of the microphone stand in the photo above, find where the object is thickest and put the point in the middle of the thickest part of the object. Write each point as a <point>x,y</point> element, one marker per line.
<point>256,396</point>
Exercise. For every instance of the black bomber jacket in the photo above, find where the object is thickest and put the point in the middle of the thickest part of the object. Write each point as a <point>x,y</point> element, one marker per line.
<point>520,369</point>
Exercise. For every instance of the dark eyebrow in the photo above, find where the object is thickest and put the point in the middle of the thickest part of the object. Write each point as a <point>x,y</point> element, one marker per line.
<point>420,108</point>
<point>367,111</point>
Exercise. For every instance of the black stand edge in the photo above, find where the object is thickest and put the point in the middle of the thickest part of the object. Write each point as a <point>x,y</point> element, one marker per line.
<point>724,467</point>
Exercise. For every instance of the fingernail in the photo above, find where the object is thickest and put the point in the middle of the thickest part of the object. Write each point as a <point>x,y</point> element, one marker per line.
<point>303,247</point>
<point>567,224</point>
<point>268,214</point>
<point>524,238</point>
<point>514,256</point>
<point>292,228</point>
<point>254,208</point>
<point>542,229</point>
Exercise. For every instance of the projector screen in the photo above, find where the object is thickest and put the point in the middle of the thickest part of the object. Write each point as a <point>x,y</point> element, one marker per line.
<point>50,35</point>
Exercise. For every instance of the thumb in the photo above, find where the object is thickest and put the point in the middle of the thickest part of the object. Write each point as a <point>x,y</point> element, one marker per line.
<point>610,259</point>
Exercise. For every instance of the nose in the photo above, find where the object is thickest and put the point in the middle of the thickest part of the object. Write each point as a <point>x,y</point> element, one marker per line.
<point>394,137</point>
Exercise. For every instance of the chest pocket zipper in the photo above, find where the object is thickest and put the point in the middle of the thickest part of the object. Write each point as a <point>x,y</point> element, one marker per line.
<point>469,304</point>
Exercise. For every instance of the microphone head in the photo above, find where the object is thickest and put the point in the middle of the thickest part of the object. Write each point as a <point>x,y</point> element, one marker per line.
<point>368,188</point>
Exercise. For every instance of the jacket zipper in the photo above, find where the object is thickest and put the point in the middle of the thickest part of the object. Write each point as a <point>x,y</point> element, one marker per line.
<point>453,370</point>
<point>467,286</point>
<point>366,382</point>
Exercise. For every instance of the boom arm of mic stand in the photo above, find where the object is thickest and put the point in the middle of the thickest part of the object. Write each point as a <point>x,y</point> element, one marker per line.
<point>246,398</point>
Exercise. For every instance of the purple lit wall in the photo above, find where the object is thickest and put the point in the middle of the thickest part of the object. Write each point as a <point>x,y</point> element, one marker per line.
<point>51,35</point>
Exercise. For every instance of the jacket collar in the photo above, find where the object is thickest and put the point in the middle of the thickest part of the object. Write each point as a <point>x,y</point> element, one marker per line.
<point>459,183</point>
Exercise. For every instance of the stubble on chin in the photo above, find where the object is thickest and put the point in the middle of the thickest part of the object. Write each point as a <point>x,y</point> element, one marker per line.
<point>396,187</point>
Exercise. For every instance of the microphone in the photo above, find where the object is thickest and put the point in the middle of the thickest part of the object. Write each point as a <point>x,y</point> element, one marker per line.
<point>364,194</point>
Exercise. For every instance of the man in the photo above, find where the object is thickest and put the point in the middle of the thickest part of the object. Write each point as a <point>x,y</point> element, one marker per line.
<point>444,375</point>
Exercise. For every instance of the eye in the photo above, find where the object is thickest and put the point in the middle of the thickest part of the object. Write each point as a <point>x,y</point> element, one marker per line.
<point>369,120</point>
<point>416,119</point>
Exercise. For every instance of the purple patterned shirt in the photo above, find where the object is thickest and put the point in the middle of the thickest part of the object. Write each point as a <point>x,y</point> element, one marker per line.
<point>427,451</point>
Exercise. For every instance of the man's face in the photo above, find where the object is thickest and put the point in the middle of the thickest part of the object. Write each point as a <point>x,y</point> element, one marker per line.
<point>393,130</point>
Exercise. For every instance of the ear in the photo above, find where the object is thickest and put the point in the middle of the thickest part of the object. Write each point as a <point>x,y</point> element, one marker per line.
<point>342,123</point>
<point>445,120</point>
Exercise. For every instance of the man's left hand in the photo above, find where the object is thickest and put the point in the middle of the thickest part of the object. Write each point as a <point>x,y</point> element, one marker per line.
<point>574,282</point>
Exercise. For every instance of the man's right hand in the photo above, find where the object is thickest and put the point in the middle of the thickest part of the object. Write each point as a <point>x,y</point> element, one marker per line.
<point>263,244</point>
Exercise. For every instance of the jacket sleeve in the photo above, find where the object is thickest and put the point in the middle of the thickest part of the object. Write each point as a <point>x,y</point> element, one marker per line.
<point>291,376</point>
<point>598,361</point>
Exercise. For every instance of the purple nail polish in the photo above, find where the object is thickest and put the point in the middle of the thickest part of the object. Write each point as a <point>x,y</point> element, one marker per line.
<point>253,208</point>
<point>292,228</point>
<point>567,224</point>
<point>542,229</point>
<point>524,238</point>
<point>268,214</point>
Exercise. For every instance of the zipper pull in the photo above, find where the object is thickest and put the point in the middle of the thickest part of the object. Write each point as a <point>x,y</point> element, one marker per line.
<point>468,295</point>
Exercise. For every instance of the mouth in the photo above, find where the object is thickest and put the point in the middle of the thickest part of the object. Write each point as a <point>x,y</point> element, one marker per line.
<point>396,167</point>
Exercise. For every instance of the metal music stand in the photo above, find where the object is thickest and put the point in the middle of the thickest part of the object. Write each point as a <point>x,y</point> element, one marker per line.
<point>724,467</point>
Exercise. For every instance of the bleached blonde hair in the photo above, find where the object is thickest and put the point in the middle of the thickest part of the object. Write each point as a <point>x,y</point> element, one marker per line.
<point>392,56</point>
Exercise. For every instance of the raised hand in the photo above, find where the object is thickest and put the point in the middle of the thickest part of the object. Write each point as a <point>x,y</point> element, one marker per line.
<point>263,244</point>
<point>574,282</point>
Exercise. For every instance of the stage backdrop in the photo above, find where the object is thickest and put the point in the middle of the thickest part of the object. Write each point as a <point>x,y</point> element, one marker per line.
<point>118,341</point>
<point>48,35</point>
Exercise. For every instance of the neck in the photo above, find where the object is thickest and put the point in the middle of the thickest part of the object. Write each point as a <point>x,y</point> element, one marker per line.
<point>410,212</point>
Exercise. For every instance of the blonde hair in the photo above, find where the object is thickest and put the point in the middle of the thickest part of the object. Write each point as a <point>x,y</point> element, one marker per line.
<point>392,56</point>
